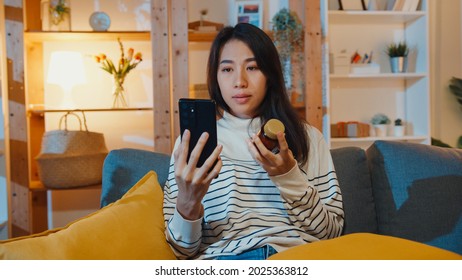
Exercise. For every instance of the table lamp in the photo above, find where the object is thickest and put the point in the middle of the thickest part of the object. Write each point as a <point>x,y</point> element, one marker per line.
<point>66,70</point>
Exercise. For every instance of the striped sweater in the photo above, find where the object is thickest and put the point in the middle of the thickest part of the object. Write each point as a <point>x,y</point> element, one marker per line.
<point>245,208</point>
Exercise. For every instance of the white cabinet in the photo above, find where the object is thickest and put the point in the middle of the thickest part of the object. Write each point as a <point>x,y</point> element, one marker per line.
<point>357,97</point>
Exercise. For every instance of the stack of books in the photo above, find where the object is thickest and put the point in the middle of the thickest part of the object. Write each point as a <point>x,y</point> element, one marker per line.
<point>403,5</point>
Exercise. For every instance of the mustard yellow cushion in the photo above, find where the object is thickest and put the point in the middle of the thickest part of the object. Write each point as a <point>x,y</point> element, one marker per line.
<point>365,246</point>
<point>130,228</point>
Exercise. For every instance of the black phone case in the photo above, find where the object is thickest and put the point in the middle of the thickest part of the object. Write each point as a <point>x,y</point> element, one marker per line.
<point>198,116</point>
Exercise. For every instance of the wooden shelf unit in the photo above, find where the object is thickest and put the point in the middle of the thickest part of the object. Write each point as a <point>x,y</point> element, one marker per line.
<point>28,208</point>
<point>45,36</point>
<point>37,186</point>
<point>42,111</point>
<point>373,17</point>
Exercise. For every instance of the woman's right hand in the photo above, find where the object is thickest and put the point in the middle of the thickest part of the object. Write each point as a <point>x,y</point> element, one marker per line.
<point>193,182</point>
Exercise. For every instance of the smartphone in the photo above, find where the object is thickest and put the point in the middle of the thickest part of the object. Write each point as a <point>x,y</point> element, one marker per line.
<point>198,116</point>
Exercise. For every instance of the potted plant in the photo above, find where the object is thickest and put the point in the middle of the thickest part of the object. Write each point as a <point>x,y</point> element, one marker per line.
<point>398,52</point>
<point>380,123</point>
<point>288,38</point>
<point>399,128</point>
<point>59,15</point>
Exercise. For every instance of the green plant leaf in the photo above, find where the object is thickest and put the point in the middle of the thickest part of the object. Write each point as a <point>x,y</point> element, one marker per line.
<point>457,91</point>
<point>439,143</point>
<point>459,143</point>
<point>397,49</point>
<point>380,119</point>
<point>456,82</point>
<point>107,70</point>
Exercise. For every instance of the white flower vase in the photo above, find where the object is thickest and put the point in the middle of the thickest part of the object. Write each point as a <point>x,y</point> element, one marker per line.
<point>398,130</point>
<point>380,130</point>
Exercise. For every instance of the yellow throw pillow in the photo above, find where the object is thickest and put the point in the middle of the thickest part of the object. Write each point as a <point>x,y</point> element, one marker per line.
<point>365,246</point>
<point>130,228</point>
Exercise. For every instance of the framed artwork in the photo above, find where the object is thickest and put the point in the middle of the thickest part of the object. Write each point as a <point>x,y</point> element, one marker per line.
<point>249,12</point>
<point>352,5</point>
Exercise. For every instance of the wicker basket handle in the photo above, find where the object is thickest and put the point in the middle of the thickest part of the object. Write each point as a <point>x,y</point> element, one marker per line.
<point>84,120</point>
<point>78,118</point>
<point>65,120</point>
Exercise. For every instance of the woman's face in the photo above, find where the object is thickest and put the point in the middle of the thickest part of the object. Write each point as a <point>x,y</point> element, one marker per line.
<point>242,84</point>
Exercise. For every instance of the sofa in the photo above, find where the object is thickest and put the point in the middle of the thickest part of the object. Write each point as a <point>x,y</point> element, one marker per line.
<point>401,201</point>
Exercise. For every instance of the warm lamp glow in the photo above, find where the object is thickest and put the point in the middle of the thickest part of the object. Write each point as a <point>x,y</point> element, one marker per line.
<point>66,70</point>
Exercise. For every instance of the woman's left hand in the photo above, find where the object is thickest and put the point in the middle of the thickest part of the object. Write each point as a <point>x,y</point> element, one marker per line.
<point>274,164</point>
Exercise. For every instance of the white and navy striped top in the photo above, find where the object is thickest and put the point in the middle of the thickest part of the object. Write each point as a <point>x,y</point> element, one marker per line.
<point>245,208</point>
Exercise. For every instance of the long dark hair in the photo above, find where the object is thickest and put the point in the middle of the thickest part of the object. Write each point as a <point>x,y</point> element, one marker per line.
<point>276,103</point>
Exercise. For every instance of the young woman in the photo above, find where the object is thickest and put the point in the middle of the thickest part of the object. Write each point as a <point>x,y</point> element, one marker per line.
<point>253,203</point>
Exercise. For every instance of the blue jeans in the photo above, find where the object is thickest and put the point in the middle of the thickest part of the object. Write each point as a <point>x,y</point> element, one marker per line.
<point>256,254</point>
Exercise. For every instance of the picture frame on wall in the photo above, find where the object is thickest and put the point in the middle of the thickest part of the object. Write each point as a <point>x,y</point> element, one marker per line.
<point>352,5</point>
<point>249,12</point>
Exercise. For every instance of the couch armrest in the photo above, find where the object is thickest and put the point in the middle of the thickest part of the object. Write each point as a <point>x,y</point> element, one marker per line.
<point>125,167</point>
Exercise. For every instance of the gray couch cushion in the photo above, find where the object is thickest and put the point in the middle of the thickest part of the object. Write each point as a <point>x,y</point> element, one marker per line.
<point>125,167</point>
<point>355,183</point>
<point>418,192</point>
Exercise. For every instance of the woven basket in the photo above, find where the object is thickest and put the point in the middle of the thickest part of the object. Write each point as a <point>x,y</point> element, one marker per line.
<point>68,171</point>
<point>71,158</point>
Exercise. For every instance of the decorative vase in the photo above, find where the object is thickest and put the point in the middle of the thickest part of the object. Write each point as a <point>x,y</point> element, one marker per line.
<point>119,94</point>
<point>59,16</point>
<point>398,64</point>
<point>380,130</point>
<point>399,130</point>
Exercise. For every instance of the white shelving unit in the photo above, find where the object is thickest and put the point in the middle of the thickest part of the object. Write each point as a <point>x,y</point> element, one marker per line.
<point>357,97</point>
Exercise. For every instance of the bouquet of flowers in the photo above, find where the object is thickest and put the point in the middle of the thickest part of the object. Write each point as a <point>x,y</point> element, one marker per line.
<point>124,66</point>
